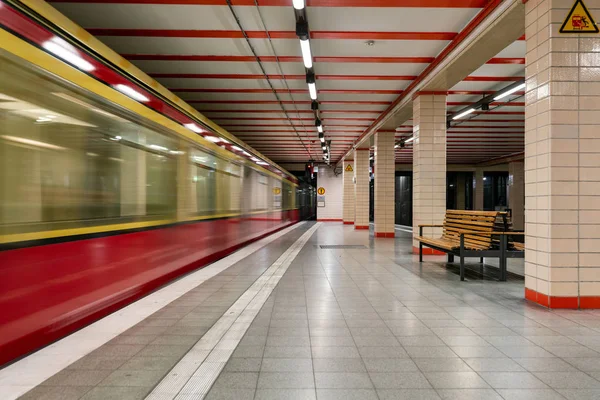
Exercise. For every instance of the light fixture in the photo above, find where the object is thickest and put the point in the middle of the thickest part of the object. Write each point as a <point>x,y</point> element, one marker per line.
<point>462,114</point>
<point>396,146</point>
<point>312,90</point>
<point>322,139</point>
<point>410,139</point>
<point>306,54</point>
<point>320,128</point>
<point>193,127</point>
<point>134,94</point>
<point>511,91</point>
<point>116,138</point>
<point>67,52</point>
<point>298,4</point>
<point>157,147</point>
<point>31,142</point>
<point>324,147</point>
<point>213,139</point>
<point>236,148</point>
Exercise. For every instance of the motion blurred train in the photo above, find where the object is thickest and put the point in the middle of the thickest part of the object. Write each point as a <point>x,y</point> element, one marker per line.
<point>110,186</point>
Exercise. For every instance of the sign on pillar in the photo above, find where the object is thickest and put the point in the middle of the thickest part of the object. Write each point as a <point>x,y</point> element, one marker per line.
<point>579,20</point>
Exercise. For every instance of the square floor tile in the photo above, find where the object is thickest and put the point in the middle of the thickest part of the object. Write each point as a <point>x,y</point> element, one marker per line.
<point>399,380</point>
<point>493,364</point>
<point>382,352</point>
<point>513,380</point>
<point>408,394</point>
<point>568,380</point>
<point>530,394</point>
<point>469,394</point>
<point>338,365</point>
<point>230,394</point>
<point>342,380</point>
<point>442,365</point>
<point>390,365</point>
<point>346,394</point>
<point>286,380</point>
<point>286,365</point>
<point>429,352</point>
<point>456,380</point>
<point>546,364</point>
<point>288,394</point>
<point>335,352</point>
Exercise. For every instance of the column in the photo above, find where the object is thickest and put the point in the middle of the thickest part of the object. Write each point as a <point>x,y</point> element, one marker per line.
<point>429,165</point>
<point>516,194</point>
<point>348,192</point>
<point>562,160</point>
<point>478,192</point>
<point>361,189</point>
<point>385,165</point>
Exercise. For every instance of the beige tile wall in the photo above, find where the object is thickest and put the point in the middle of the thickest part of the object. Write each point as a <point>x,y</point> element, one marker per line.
<point>361,188</point>
<point>562,153</point>
<point>429,163</point>
<point>348,192</point>
<point>385,166</point>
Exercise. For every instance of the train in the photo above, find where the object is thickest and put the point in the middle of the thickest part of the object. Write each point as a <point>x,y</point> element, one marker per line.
<point>111,186</point>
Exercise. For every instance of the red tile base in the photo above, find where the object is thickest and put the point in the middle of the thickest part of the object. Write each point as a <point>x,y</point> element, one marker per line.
<point>361,227</point>
<point>329,219</point>
<point>384,234</point>
<point>555,302</point>
<point>348,222</point>
<point>428,252</point>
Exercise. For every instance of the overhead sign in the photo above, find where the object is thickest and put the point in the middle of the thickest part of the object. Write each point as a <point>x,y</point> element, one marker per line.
<point>579,20</point>
<point>349,168</point>
<point>321,191</point>
<point>276,190</point>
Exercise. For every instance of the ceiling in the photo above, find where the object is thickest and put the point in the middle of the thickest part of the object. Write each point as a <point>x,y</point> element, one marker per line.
<point>196,49</point>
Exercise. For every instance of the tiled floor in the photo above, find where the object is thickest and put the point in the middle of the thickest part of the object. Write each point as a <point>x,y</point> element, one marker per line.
<point>364,324</point>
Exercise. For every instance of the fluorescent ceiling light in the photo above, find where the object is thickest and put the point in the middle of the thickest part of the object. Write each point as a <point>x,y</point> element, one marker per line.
<point>469,111</point>
<point>157,147</point>
<point>511,91</point>
<point>131,93</point>
<point>324,147</point>
<point>193,127</point>
<point>262,163</point>
<point>396,146</point>
<point>298,4</point>
<point>31,142</point>
<point>312,89</point>
<point>322,140</point>
<point>410,139</point>
<point>236,148</point>
<point>67,52</point>
<point>320,128</point>
<point>176,152</point>
<point>306,55</point>
<point>213,139</point>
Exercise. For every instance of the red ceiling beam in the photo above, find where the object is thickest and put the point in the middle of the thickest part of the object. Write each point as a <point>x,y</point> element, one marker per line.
<point>321,91</point>
<point>285,102</point>
<point>331,77</point>
<point>310,3</point>
<point>287,59</point>
<point>299,111</point>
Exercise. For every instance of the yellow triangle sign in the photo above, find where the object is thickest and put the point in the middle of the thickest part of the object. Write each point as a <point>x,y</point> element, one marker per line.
<point>349,168</point>
<point>579,20</point>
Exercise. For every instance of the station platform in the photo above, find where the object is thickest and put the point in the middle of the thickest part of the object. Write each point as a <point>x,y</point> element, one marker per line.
<point>322,311</point>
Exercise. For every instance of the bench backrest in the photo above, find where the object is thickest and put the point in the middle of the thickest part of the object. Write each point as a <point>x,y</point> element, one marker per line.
<point>481,221</point>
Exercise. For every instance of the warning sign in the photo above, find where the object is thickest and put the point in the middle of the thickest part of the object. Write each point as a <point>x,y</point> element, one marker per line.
<point>276,190</point>
<point>321,191</point>
<point>579,20</point>
<point>349,168</point>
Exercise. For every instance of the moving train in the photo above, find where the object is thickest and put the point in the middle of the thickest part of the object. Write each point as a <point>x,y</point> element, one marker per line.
<point>110,186</point>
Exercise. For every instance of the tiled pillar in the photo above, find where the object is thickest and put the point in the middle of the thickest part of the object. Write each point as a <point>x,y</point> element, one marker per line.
<point>361,189</point>
<point>516,194</point>
<point>384,184</point>
<point>562,160</point>
<point>348,192</point>
<point>478,181</point>
<point>429,165</point>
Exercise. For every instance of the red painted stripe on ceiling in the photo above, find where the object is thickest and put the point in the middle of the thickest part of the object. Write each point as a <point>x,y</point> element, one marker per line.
<point>472,25</point>
<point>286,59</point>
<point>467,103</point>
<point>299,111</point>
<point>294,77</point>
<point>285,102</point>
<point>322,91</point>
<point>357,35</point>
<point>310,3</point>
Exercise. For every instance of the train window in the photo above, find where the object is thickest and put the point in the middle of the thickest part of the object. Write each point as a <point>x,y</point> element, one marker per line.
<point>66,162</point>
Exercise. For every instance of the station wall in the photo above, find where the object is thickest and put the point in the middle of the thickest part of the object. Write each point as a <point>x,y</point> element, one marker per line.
<point>333,194</point>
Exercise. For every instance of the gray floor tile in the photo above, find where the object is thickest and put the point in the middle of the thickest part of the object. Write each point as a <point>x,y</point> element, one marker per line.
<point>332,341</point>
<point>98,362</point>
<point>236,380</point>
<point>346,394</point>
<point>286,380</point>
<point>408,394</point>
<point>338,365</point>
<point>513,380</point>
<point>580,394</point>
<point>243,365</point>
<point>568,380</point>
<point>382,352</point>
<point>287,352</point>
<point>370,341</point>
<point>230,394</point>
<point>288,341</point>
<point>286,365</point>
<point>342,380</point>
<point>77,378</point>
<point>399,380</point>
<point>530,394</point>
<point>429,352</point>
<point>117,393</point>
<point>56,393</point>
<point>150,363</point>
<point>137,378</point>
<point>420,341</point>
<point>390,365</point>
<point>335,352</point>
<point>442,365</point>
<point>547,364</point>
<point>469,394</point>
<point>456,380</point>
<point>287,394</point>
<point>478,352</point>
<point>493,364</point>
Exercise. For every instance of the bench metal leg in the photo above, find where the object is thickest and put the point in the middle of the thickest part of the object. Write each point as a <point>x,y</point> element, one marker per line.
<point>503,258</point>
<point>462,257</point>
<point>450,258</point>
<point>481,260</point>
<point>420,252</point>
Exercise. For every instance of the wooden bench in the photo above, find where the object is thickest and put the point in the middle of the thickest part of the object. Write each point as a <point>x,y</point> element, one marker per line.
<point>471,234</point>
